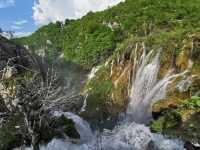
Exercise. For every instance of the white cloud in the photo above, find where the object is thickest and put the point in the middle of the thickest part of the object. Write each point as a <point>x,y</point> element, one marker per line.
<point>6,3</point>
<point>20,22</point>
<point>22,34</point>
<point>17,25</point>
<point>45,11</point>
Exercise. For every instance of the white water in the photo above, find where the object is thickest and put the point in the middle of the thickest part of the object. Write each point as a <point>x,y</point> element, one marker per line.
<point>83,108</point>
<point>82,126</point>
<point>128,136</point>
<point>93,72</point>
<point>146,89</point>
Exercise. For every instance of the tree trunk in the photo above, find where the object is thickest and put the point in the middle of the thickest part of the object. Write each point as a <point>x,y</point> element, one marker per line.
<point>35,142</point>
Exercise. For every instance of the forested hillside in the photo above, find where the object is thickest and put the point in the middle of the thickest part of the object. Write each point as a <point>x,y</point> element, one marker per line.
<point>91,39</point>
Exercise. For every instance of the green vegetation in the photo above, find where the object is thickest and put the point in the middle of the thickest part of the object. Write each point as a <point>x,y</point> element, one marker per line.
<point>99,89</point>
<point>90,40</point>
<point>169,121</point>
<point>192,103</point>
<point>66,124</point>
<point>173,25</point>
<point>11,136</point>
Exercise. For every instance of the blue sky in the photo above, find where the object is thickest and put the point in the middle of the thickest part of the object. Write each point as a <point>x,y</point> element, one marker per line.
<point>17,17</point>
<point>25,16</point>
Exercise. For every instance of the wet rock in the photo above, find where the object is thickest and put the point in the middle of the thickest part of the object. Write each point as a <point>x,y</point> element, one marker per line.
<point>189,146</point>
<point>182,122</point>
<point>62,126</point>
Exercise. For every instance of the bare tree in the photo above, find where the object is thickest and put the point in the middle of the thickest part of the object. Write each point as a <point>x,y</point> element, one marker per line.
<point>34,98</point>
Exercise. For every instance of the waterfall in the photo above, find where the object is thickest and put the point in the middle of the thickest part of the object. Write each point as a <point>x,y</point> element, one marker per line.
<point>143,82</point>
<point>83,108</point>
<point>93,72</point>
<point>146,89</point>
<point>129,134</point>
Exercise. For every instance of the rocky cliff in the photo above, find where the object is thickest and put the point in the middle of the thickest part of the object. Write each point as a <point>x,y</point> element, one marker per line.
<point>108,89</point>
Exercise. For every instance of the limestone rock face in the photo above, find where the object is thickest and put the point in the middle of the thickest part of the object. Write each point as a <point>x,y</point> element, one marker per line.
<point>109,88</point>
<point>178,114</point>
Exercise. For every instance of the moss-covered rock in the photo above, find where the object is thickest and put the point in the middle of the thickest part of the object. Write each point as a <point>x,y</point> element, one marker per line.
<point>63,126</point>
<point>107,91</point>
<point>182,122</point>
<point>180,89</point>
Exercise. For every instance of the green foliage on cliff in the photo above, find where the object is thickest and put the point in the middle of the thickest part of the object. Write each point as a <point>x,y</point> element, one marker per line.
<point>93,38</point>
<point>192,103</point>
<point>99,89</point>
<point>169,121</point>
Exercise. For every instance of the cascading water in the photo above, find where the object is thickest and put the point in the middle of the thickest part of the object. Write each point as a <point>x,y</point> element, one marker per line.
<point>146,89</point>
<point>84,104</point>
<point>143,82</point>
<point>82,126</point>
<point>129,134</point>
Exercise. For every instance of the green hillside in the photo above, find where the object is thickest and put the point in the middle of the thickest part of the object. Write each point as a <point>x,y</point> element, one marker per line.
<point>90,40</point>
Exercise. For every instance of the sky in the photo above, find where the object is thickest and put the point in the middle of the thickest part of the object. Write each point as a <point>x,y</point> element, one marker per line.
<point>25,16</point>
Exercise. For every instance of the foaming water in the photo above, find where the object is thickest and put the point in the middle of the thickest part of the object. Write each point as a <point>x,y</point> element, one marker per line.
<point>126,136</point>
<point>143,82</point>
